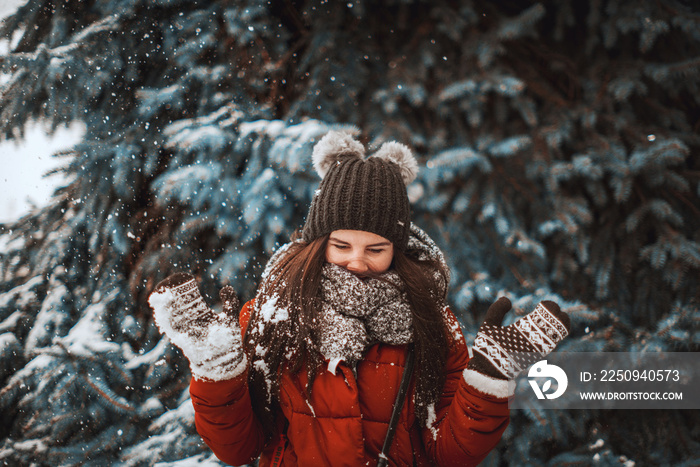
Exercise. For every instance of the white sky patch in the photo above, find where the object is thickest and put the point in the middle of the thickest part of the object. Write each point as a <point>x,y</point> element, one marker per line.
<point>23,186</point>
<point>25,163</point>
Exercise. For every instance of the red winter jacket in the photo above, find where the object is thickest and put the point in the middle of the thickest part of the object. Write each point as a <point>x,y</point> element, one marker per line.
<point>345,422</point>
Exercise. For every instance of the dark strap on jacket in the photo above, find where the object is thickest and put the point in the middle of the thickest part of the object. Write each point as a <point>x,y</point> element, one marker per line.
<point>398,404</point>
<point>278,454</point>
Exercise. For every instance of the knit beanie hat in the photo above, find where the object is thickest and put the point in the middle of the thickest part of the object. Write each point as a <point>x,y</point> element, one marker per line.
<point>361,194</point>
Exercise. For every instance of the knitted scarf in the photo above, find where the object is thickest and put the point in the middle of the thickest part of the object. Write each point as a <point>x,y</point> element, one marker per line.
<point>359,312</point>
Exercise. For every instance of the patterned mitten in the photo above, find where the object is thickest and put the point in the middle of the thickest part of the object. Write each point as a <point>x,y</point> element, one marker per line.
<point>504,351</point>
<point>211,342</point>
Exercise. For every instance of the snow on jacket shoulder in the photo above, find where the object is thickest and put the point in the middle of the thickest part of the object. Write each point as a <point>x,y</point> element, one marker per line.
<point>345,421</point>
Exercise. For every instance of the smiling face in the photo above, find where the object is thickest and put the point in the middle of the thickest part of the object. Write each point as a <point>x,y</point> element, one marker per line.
<point>359,251</point>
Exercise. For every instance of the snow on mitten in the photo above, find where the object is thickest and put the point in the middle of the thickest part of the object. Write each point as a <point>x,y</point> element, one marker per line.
<point>210,341</point>
<point>504,351</point>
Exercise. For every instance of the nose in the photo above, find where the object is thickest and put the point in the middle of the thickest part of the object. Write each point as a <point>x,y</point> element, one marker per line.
<point>357,266</point>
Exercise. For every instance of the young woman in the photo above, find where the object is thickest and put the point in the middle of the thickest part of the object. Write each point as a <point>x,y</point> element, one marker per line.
<point>348,319</point>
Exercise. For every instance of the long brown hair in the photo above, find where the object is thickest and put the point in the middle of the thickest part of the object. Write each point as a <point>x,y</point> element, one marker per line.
<point>293,283</point>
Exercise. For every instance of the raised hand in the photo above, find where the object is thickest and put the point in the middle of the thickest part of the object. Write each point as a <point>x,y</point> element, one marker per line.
<point>504,351</point>
<point>210,341</point>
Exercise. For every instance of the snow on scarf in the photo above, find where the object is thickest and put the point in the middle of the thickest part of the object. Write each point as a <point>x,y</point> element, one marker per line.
<point>357,313</point>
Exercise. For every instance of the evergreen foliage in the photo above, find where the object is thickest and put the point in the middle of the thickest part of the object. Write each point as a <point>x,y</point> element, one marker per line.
<point>558,144</point>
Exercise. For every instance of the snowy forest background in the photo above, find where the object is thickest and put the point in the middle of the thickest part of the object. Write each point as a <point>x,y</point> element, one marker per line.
<point>558,144</point>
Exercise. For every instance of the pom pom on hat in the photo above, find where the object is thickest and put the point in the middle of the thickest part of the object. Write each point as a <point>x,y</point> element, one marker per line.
<point>401,155</point>
<point>334,146</point>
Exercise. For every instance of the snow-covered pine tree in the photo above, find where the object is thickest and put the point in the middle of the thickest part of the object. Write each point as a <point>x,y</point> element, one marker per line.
<point>558,144</point>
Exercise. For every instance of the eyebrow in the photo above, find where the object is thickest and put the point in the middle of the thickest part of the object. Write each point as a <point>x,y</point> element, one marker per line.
<point>373,245</point>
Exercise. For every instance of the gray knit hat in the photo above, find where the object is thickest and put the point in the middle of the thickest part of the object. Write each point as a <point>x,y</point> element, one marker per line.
<point>361,194</point>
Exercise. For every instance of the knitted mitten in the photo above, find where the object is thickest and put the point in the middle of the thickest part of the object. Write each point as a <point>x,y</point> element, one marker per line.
<point>504,351</point>
<point>211,342</point>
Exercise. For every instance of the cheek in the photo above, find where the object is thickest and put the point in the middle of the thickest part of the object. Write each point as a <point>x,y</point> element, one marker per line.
<point>382,263</point>
<point>332,257</point>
